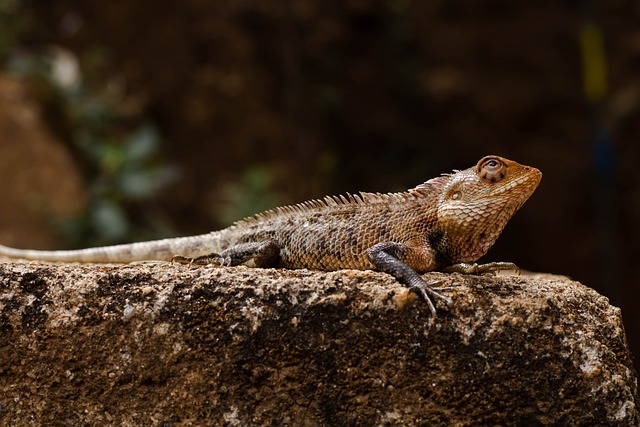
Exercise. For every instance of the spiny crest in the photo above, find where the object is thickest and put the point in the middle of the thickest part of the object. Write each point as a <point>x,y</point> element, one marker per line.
<point>349,199</point>
<point>434,186</point>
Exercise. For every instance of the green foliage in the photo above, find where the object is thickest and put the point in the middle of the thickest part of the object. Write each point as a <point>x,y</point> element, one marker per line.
<point>127,173</point>
<point>252,194</point>
<point>122,163</point>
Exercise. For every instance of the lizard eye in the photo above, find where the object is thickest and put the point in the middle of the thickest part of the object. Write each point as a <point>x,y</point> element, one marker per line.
<point>491,169</point>
<point>456,195</point>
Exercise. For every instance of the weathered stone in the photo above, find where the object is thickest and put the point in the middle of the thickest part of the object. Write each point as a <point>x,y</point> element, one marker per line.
<point>166,345</point>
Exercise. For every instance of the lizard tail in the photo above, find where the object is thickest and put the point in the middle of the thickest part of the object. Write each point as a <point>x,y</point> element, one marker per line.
<point>163,250</point>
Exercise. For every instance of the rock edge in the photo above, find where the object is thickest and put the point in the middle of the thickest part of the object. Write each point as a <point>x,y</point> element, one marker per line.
<point>160,344</point>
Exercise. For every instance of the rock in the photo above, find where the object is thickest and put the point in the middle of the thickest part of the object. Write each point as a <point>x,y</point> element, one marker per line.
<point>167,345</point>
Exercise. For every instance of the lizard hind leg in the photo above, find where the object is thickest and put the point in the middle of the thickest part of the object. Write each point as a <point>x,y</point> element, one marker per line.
<point>385,257</point>
<point>264,254</point>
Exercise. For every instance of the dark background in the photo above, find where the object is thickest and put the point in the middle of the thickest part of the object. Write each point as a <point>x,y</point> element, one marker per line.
<point>182,116</point>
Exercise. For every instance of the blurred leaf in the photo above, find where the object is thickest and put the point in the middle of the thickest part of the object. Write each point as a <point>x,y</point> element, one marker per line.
<point>111,157</point>
<point>140,184</point>
<point>110,220</point>
<point>254,193</point>
<point>143,144</point>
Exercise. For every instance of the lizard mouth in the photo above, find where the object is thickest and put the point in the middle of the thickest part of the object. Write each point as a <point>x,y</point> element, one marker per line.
<point>525,184</point>
<point>530,180</point>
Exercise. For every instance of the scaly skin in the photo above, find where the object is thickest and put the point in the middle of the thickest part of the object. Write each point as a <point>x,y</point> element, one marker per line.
<point>438,225</point>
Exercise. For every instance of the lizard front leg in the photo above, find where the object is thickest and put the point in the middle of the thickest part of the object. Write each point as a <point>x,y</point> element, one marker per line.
<point>264,254</point>
<point>387,256</point>
<point>473,268</point>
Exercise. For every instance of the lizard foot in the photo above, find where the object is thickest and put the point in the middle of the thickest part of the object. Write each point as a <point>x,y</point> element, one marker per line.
<point>264,254</point>
<point>211,259</point>
<point>385,257</point>
<point>490,268</point>
<point>427,292</point>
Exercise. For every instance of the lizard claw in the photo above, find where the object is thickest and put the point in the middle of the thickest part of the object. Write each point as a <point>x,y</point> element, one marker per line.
<point>210,259</point>
<point>178,259</point>
<point>426,292</point>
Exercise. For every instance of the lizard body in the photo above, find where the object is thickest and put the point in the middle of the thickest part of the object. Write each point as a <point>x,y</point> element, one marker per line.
<point>451,219</point>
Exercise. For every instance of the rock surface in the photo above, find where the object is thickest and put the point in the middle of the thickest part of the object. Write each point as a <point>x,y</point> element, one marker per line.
<point>166,345</point>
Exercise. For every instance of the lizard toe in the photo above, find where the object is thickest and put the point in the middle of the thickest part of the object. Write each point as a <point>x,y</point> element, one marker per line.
<point>427,293</point>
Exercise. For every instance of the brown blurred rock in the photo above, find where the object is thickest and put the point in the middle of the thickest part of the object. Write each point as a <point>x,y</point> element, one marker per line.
<point>158,344</point>
<point>40,182</point>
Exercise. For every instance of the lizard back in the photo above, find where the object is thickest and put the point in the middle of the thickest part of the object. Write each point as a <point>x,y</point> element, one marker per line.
<point>335,232</point>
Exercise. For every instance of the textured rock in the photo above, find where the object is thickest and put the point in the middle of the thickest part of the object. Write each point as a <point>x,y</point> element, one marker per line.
<point>159,344</point>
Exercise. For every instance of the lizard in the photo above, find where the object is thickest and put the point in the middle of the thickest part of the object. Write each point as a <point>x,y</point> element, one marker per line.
<point>444,224</point>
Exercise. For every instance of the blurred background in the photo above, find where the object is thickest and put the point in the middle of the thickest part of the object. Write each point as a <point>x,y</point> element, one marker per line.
<point>133,120</point>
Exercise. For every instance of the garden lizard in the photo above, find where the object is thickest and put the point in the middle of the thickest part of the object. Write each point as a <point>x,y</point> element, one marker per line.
<point>443,224</point>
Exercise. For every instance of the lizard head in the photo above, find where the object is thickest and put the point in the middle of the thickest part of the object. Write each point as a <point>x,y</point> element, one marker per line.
<point>474,205</point>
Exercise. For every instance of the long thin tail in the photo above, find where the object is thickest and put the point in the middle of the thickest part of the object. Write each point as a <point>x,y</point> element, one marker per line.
<point>164,249</point>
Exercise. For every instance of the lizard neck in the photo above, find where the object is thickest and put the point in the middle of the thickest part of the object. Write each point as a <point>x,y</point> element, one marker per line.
<point>452,248</point>
<point>471,247</point>
<point>468,241</point>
